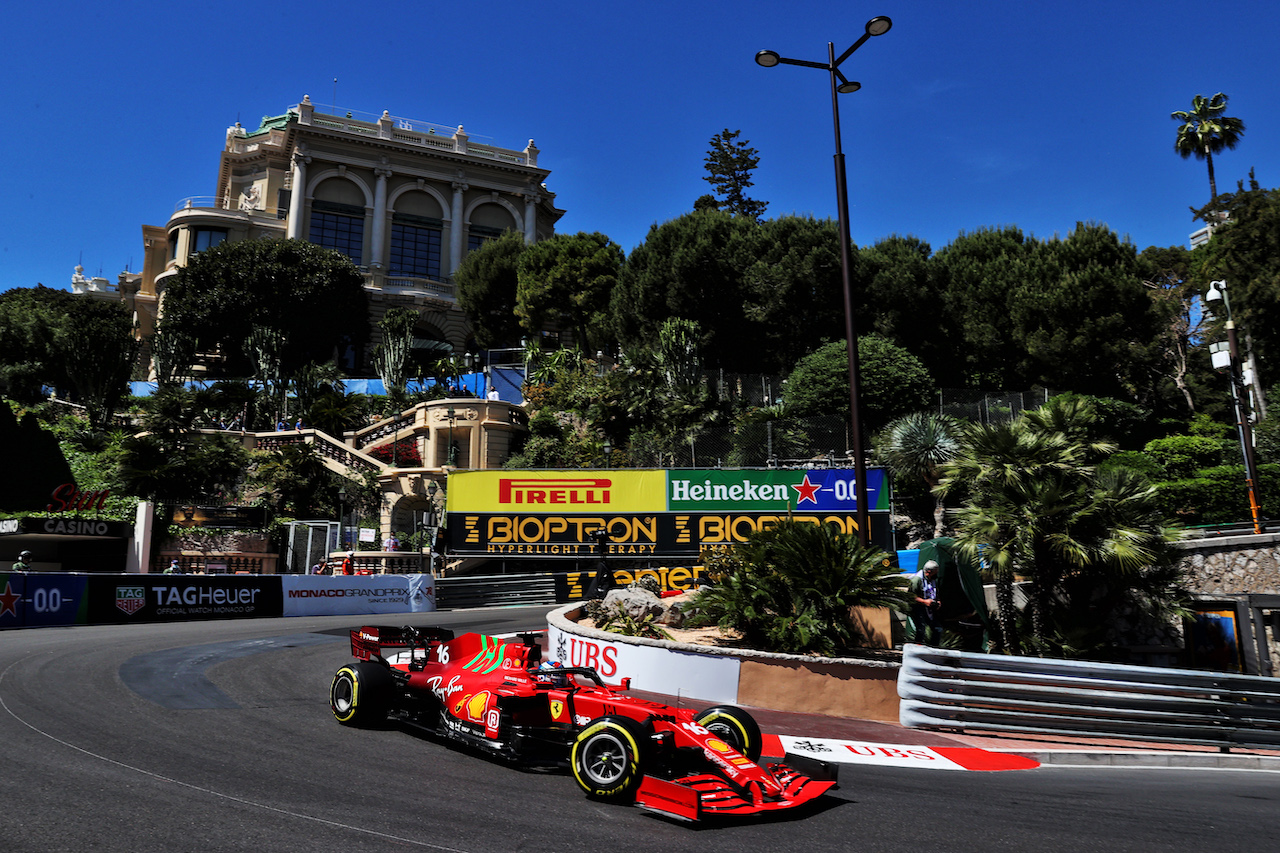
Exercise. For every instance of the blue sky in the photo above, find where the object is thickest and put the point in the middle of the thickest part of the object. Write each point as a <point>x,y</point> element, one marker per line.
<point>972,114</point>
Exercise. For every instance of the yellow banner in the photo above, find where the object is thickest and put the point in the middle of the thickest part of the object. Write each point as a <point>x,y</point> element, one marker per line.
<point>559,492</point>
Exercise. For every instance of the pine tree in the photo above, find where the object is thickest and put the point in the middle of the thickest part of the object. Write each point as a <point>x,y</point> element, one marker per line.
<point>729,164</point>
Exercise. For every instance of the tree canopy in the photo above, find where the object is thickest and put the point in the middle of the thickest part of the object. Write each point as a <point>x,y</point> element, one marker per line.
<point>76,344</point>
<point>565,283</point>
<point>487,282</point>
<point>891,382</point>
<point>310,296</point>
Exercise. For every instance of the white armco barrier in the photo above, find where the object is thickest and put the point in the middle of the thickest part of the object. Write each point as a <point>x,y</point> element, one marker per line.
<point>947,689</point>
<point>343,595</point>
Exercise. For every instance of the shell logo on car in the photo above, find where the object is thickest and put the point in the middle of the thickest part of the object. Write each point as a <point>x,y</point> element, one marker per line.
<point>476,706</point>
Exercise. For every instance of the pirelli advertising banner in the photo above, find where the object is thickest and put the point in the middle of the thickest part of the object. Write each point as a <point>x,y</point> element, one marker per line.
<point>648,512</point>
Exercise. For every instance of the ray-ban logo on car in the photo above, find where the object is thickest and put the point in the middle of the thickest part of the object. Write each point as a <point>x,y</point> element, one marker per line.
<point>130,599</point>
<point>566,490</point>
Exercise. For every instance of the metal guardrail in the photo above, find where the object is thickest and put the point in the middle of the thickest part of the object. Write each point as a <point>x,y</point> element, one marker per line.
<point>493,590</point>
<point>945,689</point>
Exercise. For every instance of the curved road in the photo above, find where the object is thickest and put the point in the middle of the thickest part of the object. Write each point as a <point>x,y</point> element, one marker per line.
<point>218,736</point>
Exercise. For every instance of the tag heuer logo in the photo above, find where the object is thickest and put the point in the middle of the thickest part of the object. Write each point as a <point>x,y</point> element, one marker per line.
<point>131,599</point>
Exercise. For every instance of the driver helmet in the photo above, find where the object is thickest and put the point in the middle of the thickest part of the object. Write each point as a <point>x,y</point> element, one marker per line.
<point>547,671</point>
<point>24,555</point>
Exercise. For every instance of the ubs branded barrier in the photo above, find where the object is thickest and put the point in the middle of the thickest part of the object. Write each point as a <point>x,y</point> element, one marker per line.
<point>179,598</point>
<point>648,513</point>
<point>337,596</point>
<point>653,668</point>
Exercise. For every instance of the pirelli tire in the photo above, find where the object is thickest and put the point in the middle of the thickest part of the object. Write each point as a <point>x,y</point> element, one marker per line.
<point>361,694</point>
<point>609,758</point>
<point>735,727</point>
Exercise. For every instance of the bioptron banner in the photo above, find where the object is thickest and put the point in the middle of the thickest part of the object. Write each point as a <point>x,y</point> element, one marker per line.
<point>648,512</point>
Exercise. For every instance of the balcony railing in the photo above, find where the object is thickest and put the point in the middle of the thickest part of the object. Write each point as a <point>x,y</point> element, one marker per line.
<point>211,202</point>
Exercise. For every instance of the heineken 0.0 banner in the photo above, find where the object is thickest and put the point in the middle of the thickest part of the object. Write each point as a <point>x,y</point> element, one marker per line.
<point>649,512</point>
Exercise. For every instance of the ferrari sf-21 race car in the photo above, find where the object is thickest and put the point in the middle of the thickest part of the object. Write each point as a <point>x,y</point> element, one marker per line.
<point>498,697</point>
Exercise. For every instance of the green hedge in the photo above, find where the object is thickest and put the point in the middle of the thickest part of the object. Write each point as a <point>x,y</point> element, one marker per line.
<point>1218,495</point>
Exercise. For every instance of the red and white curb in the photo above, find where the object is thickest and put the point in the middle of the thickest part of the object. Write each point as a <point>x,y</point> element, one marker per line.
<point>896,755</point>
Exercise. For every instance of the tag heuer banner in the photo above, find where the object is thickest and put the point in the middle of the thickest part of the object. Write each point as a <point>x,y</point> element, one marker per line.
<point>648,512</point>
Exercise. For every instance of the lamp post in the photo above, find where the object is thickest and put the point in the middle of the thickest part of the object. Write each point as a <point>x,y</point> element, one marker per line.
<point>452,416</point>
<point>342,511</point>
<point>433,489</point>
<point>1230,359</point>
<point>840,85</point>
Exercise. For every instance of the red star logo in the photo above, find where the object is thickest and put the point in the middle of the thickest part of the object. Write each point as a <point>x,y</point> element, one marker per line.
<point>9,601</point>
<point>807,490</point>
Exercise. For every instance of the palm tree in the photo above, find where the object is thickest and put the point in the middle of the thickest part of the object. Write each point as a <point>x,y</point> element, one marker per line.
<point>1038,506</point>
<point>916,446</point>
<point>1205,131</point>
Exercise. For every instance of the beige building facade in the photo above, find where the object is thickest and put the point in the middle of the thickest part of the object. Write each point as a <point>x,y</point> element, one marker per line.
<point>405,200</point>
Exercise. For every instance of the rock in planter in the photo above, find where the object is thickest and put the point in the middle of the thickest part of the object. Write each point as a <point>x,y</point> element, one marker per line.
<point>636,603</point>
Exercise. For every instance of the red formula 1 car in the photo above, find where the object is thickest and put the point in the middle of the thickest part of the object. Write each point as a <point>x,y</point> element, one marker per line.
<point>493,695</point>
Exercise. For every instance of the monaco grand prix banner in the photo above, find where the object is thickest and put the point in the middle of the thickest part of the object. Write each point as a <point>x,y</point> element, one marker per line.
<point>648,513</point>
<point>306,595</point>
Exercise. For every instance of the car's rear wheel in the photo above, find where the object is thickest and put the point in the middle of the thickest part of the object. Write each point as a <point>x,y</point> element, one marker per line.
<point>361,694</point>
<point>735,727</point>
<point>608,757</point>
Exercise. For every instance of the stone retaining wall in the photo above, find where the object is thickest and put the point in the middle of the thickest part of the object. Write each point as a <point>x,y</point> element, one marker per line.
<point>1234,565</point>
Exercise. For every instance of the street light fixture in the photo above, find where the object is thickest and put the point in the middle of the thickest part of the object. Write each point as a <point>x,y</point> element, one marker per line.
<point>1240,397</point>
<point>841,85</point>
<point>342,511</point>
<point>452,417</point>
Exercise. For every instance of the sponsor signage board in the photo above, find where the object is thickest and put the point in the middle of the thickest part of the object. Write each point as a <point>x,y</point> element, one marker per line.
<point>307,595</point>
<point>573,586</point>
<point>42,600</point>
<point>178,598</point>
<point>229,517</point>
<point>648,512</point>
<point>69,525</point>
<point>636,491</point>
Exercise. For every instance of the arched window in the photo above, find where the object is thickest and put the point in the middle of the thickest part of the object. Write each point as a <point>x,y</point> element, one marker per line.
<point>337,218</point>
<point>415,245</point>
<point>338,226</point>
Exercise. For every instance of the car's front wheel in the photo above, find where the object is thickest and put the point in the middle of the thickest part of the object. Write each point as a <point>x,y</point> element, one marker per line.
<point>735,727</point>
<point>361,694</point>
<point>608,757</point>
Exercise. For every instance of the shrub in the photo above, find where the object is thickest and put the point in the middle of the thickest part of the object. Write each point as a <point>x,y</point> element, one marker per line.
<point>1182,455</point>
<point>790,588</point>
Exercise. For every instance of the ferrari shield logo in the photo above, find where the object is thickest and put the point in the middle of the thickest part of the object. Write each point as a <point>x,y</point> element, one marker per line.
<point>557,710</point>
<point>131,599</point>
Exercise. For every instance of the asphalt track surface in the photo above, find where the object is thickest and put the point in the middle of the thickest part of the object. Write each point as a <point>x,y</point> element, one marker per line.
<point>217,736</point>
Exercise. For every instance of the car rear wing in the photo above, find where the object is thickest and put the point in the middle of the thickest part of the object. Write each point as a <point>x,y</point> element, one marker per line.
<point>369,642</point>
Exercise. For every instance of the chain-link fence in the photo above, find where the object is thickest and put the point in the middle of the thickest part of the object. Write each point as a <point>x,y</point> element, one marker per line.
<point>989,407</point>
<point>780,442</point>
